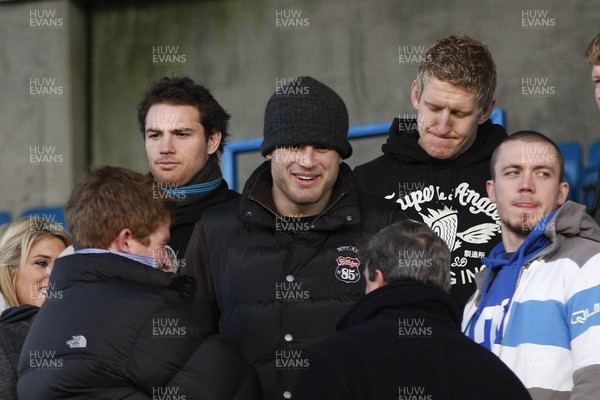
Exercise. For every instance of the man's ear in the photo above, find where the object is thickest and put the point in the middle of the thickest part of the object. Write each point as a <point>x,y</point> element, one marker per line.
<point>415,96</point>
<point>491,192</point>
<point>377,282</point>
<point>122,243</point>
<point>487,111</point>
<point>563,193</point>
<point>213,142</point>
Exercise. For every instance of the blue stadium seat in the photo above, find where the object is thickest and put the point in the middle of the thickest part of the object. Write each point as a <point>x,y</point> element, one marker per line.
<point>590,174</point>
<point>5,217</point>
<point>498,116</point>
<point>54,215</point>
<point>572,152</point>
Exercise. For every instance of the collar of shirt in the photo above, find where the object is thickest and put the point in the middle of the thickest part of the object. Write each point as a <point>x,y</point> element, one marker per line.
<point>149,261</point>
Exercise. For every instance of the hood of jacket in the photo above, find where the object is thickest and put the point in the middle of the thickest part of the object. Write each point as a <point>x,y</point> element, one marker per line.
<point>409,296</point>
<point>402,144</point>
<point>571,220</point>
<point>19,313</point>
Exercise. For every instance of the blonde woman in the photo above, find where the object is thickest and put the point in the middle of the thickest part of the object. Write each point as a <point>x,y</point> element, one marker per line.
<point>28,249</point>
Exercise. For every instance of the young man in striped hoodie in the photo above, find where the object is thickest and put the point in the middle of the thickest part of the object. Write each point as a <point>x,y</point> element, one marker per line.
<point>537,304</point>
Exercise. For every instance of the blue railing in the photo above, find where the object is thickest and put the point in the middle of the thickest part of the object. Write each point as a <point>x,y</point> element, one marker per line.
<point>232,149</point>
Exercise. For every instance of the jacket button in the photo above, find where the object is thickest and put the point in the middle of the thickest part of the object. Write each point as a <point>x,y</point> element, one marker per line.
<point>288,337</point>
<point>289,278</point>
<point>248,213</point>
<point>348,218</point>
<point>287,394</point>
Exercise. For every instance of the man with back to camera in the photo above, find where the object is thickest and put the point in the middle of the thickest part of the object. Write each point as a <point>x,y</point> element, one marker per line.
<point>279,266</point>
<point>184,129</point>
<point>115,326</point>
<point>536,304</point>
<point>403,339</point>
<point>436,167</point>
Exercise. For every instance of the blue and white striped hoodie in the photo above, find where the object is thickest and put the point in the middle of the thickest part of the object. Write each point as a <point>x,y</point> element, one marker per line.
<point>551,332</point>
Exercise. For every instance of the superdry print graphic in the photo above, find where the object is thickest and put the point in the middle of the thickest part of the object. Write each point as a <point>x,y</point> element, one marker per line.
<point>443,212</point>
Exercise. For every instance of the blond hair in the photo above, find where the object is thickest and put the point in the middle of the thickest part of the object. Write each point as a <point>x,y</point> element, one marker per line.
<point>592,54</point>
<point>461,61</point>
<point>16,241</point>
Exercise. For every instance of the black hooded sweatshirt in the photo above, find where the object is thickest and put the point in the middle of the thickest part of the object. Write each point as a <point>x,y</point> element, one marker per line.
<point>448,195</point>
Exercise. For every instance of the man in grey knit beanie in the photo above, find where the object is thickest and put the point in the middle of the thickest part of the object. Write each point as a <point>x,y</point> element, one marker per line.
<point>306,111</point>
<point>278,267</point>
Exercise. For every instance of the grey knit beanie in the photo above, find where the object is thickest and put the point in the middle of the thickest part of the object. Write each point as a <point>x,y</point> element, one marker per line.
<point>306,112</point>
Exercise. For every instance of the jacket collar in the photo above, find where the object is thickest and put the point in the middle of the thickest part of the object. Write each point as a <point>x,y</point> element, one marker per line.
<point>257,205</point>
<point>109,266</point>
<point>410,297</point>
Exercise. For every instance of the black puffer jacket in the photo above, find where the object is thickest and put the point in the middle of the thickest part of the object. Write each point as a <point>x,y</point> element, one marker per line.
<point>403,341</point>
<point>190,207</point>
<point>277,285</point>
<point>113,328</point>
<point>448,195</point>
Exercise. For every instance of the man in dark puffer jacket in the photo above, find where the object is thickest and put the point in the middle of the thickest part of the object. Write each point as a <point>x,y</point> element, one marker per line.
<point>278,267</point>
<point>115,326</point>
<point>403,339</point>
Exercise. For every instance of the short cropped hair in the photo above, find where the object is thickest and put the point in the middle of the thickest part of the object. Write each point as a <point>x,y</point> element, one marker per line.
<point>184,91</point>
<point>461,61</point>
<point>529,137</point>
<point>592,54</point>
<point>16,241</point>
<point>409,251</point>
<point>109,199</point>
